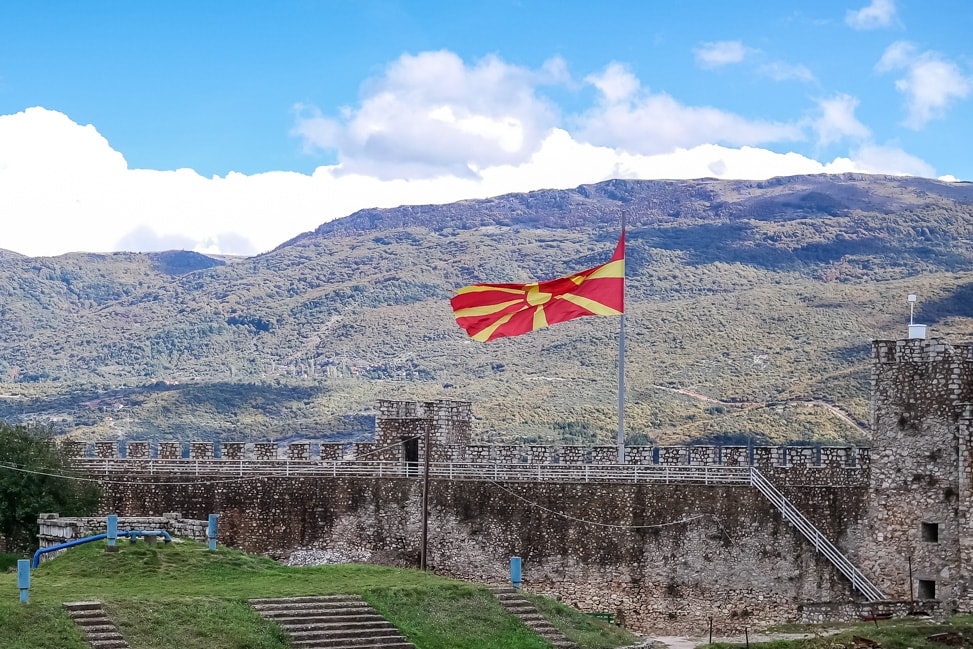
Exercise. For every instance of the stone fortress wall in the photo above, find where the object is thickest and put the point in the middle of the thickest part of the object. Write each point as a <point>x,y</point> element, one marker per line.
<point>663,556</point>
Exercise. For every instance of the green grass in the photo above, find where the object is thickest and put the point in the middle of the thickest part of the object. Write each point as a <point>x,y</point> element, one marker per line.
<point>181,595</point>
<point>453,617</point>
<point>8,561</point>
<point>584,630</point>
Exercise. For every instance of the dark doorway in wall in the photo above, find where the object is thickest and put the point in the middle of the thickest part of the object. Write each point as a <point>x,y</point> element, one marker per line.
<point>927,589</point>
<point>930,532</point>
<point>410,448</point>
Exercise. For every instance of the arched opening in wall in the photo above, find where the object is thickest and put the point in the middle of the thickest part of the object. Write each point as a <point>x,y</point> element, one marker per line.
<point>410,452</point>
<point>927,589</point>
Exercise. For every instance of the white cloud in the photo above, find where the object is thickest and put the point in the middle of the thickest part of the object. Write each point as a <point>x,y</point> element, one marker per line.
<point>430,113</point>
<point>782,71</point>
<point>651,123</point>
<point>931,83</point>
<point>875,159</point>
<point>66,189</point>
<point>837,120</point>
<point>878,14</point>
<point>616,83</point>
<point>720,53</point>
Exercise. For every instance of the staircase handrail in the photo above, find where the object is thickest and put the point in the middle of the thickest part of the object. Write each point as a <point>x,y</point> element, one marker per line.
<point>821,543</point>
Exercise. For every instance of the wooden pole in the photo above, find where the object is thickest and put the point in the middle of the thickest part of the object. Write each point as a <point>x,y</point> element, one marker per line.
<point>423,547</point>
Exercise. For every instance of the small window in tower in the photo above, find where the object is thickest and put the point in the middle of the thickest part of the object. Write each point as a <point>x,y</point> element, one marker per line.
<point>927,589</point>
<point>930,532</point>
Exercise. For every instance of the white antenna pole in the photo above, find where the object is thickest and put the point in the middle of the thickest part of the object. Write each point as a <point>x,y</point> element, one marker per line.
<point>912,309</point>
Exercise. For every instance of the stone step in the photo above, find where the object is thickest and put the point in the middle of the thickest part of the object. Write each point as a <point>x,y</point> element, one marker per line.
<point>305,611</point>
<point>109,644</point>
<point>82,606</point>
<point>516,604</point>
<point>364,641</point>
<point>94,623</point>
<point>322,599</point>
<point>351,643</point>
<point>312,606</point>
<point>105,635</point>
<point>343,630</point>
<point>334,625</point>
<point>358,611</point>
<point>87,615</point>
<point>99,630</point>
<point>344,633</point>
<point>283,619</point>
<point>331,622</point>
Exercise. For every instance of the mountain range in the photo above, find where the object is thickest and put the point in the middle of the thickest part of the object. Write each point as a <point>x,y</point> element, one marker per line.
<point>750,308</point>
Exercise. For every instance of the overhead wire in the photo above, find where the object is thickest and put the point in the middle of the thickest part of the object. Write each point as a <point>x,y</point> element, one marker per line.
<point>298,472</point>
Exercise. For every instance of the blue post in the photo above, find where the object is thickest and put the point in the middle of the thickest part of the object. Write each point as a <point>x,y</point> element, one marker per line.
<point>23,578</point>
<point>211,532</point>
<point>112,529</point>
<point>515,577</point>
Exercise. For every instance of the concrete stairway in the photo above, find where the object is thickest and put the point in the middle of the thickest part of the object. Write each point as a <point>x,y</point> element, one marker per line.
<point>331,622</point>
<point>98,628</point>
<point>516,604</point>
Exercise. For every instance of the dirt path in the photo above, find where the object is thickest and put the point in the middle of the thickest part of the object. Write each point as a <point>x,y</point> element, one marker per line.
<point>691,642</point>
<point>835,410</point>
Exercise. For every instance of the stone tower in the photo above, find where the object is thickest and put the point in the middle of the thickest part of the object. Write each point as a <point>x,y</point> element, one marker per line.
<point>919,532</point>
<point>400,429</point>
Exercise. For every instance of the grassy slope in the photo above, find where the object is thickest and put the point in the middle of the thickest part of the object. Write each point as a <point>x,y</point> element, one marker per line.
<point>182,595</point>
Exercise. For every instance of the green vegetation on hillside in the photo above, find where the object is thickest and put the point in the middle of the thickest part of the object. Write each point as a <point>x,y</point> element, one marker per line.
<point>182,595</point>
<point>750,309</point>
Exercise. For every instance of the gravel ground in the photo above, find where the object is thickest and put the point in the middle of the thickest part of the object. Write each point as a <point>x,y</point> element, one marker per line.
<point>325,557</point>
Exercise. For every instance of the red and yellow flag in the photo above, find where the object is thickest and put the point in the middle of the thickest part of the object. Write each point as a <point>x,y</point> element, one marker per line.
<point>489,311</point>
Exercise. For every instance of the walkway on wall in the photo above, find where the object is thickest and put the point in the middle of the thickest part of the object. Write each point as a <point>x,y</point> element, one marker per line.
<point>121,470</point>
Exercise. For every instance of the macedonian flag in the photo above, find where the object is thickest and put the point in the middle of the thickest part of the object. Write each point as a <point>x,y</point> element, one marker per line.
<point>488,311</point>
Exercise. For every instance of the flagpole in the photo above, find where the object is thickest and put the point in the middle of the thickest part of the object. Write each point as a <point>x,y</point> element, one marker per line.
<point>621,372</point>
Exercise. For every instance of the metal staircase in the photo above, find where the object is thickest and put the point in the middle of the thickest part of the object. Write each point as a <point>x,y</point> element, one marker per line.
<point>793,516</point>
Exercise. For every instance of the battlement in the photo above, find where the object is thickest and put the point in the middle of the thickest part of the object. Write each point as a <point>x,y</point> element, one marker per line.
<point>920,350</point>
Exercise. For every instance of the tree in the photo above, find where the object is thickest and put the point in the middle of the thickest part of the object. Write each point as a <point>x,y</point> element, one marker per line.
<point>36,476</point>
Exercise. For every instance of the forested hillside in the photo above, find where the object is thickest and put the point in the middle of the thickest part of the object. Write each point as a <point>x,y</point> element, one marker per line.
<point>750,311</point>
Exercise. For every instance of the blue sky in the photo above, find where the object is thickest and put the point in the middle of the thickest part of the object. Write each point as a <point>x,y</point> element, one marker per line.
<point>152,126</point>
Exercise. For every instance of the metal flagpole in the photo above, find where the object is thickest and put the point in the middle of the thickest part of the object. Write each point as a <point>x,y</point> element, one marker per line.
<point>621,370</point>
